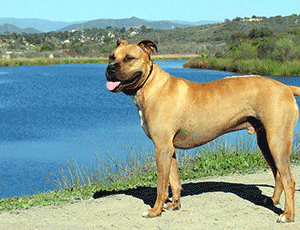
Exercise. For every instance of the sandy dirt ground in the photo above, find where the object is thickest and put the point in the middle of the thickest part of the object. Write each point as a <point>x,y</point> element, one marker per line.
<point>228,202</point>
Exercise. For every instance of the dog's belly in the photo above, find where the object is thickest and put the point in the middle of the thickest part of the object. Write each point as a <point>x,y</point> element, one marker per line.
<point>202,133</point>
<point>187,139</point>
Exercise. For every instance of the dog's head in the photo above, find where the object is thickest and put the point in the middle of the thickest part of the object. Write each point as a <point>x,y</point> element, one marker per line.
<point>129,65</point>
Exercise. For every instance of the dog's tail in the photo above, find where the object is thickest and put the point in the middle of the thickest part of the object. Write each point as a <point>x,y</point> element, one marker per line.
<point>295,90</point>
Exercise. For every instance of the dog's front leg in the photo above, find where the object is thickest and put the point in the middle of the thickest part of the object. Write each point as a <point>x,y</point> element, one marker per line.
<point>175,186</point>
<point>164,155</point>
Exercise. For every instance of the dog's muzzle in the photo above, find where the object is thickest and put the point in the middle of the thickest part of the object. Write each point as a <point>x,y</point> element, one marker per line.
<point>112,83</point>
<point>111,69</point>
<point>129,86</point>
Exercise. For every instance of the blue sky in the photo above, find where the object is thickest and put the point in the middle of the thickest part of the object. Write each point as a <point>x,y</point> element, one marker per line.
<point>185,10</point>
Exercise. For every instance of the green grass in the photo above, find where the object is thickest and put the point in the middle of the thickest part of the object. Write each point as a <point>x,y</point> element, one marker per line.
<point>109,174</point>
<point>253,66</point>
<point>172,57</point>
<point>49,61</point>
<point>59,61</point>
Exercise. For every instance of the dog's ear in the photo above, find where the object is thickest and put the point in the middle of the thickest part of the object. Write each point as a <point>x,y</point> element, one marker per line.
<point>148,46</point>
<point>121,42</point>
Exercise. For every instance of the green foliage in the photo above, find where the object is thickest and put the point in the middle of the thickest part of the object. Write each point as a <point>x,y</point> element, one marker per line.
<point>295,31</point>
<point>265,48</point>
<point>250,66</point>
<point>260,33</point>
<point>238,37</point>
<point>47,47</point>
<point>263,44</point>
<point>244,50</point>
<point>50,61</point>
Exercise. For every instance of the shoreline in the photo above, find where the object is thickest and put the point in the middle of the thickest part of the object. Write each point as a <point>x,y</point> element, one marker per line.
<point>263,67</point>
<point>230,202</point>
<point>82,60</point>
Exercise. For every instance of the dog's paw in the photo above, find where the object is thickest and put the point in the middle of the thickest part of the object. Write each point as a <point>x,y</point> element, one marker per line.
<point>146,215</point>
<point>166,206</point>
<point>172,206</point>
<point>150,214</point>
<point>284,218</point>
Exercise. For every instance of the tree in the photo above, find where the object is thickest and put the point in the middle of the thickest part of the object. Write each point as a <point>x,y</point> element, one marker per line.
<point>122,31</point>
<point>238,19</point>
<point>260,33</point>
<point>144,29</point>
<point>238,36</point>
<point>48,47</point>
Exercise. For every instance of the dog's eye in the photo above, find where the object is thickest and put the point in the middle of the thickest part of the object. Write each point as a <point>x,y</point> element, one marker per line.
<point>128,58</point>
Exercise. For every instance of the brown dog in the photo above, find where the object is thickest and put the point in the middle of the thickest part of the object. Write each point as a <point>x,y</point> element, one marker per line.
<point>176,113</point>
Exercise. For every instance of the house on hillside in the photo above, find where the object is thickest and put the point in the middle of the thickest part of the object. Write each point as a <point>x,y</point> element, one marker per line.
<point>252,19</point>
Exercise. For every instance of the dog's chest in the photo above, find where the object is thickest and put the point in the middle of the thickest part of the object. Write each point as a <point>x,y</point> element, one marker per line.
<point>135,100</point>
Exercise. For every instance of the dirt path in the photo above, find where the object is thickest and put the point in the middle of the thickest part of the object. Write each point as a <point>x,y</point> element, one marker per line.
<point>229,202</point>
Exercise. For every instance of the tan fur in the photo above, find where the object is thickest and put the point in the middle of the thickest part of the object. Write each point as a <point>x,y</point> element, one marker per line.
<point>177,113</point>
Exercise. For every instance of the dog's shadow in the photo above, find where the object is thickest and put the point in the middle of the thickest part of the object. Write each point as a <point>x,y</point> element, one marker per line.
<point>247,192</point>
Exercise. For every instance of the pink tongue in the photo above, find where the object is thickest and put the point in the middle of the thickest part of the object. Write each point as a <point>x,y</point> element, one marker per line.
<point>112,85</point>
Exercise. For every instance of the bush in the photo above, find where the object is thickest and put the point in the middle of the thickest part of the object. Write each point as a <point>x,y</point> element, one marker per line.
<point>266,48</point>
<point>238,36</point>
<point>260,33</point>
<point>47,47</point>
<point>244,50</point>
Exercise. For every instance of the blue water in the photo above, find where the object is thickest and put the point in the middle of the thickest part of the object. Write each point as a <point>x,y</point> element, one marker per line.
<point>51,114</point>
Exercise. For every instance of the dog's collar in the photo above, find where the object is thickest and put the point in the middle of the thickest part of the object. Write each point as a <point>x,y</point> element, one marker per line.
<point>133,91</point>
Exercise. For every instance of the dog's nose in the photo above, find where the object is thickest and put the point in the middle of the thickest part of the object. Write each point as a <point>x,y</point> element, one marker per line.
<point>112,68</point>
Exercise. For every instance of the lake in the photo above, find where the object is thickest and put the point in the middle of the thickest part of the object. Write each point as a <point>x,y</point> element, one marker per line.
<point>51,114</point>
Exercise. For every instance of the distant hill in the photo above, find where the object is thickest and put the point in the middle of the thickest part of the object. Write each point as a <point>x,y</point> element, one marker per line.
<point>14,29</point>
<point>39,24</point>
<point>126,23</point>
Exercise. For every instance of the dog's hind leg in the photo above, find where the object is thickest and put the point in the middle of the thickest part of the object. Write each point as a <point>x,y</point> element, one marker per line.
<point>264,147</point>
<point>175,186</point>
<point>279,136</point>
<point>281,154</point>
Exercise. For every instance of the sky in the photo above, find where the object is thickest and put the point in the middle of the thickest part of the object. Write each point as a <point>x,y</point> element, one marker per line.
<point>183,10</point>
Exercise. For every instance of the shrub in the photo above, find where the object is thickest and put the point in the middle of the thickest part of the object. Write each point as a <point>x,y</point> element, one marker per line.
<point>244,50</point>
<point>260,33</point>
<point>266,48</point>
<point>47,47</point>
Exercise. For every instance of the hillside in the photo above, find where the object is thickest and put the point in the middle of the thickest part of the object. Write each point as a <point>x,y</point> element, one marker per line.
<point>96,42</point>
<point>222,31</point>
<point>126,23</point>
